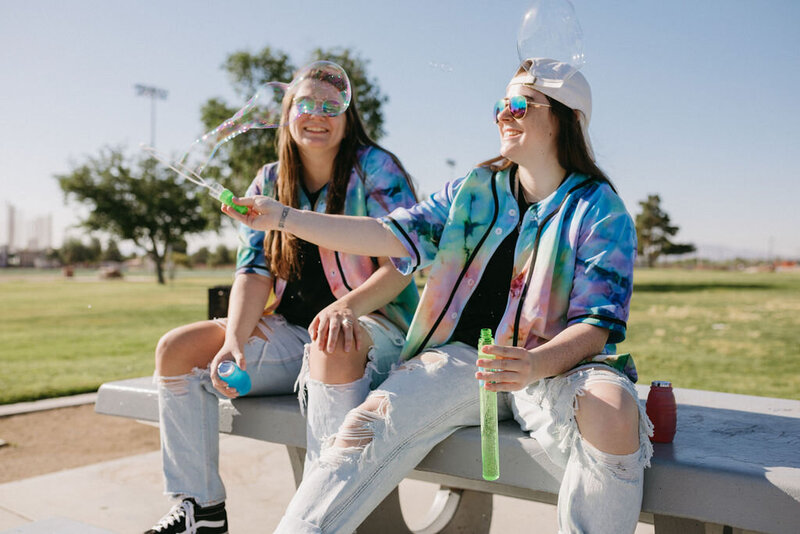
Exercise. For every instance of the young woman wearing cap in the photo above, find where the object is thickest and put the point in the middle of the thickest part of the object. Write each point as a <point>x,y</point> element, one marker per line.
<point>536,245</point>
<point>290,297</point>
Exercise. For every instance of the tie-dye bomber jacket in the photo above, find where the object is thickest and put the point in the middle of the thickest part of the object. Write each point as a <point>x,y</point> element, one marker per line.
<point>573,260</point>
<point>376,187</point>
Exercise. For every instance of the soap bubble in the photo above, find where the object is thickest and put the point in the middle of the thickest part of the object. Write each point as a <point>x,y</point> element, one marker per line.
<point>551,36</point>
<point>321,88</point>
<point>445,67</point>
<point>263,110</point>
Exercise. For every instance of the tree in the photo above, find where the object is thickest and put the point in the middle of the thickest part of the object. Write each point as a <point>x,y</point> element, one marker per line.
<point>654,230</point>
<point>112,253</point>
<point>139,200</point>
<point>73,251</point>
<point>95,250</point>
<point>221,256</point>
<point>238,160</point>
<point>201,256</point>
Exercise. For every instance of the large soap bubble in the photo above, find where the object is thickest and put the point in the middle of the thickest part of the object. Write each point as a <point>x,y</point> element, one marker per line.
<point>263,110</point>
<point>551,36</point>
<point>321,88</point>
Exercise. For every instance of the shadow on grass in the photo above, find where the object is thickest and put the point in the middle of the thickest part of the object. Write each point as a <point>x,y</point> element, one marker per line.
<point>678,287</point>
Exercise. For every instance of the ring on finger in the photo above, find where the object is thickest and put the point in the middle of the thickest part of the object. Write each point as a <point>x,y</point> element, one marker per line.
<point>347,322</point>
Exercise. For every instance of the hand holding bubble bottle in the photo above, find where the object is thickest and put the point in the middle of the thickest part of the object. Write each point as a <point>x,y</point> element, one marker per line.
<point>490,457</point>
<point>234,376</point>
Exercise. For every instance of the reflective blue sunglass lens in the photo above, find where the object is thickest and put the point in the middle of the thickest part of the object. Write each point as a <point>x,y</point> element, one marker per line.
<point>331,108</point>
<point>304,105</point>
<point>498,108</point>
<point>517,105</point>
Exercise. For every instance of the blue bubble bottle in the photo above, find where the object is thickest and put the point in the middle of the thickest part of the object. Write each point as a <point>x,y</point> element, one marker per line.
<point>233,375</point>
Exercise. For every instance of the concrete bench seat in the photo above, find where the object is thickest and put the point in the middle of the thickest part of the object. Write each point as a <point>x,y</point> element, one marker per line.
<point>734,466</point>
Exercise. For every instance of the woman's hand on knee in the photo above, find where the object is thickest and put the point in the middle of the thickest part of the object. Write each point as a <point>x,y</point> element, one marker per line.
<point>226,353</point>
<point>336,321</point>
<point>513,369</point>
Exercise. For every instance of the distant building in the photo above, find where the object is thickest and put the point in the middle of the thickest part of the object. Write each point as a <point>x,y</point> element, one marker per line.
<point>27,241</point>
<point>10,226</point>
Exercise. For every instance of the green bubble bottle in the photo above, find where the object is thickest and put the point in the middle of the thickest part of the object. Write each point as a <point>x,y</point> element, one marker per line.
<point>225,196</point>
<point>489,445</point>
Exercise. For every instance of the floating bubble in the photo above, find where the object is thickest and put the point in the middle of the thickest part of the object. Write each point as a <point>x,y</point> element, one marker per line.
<point>321,88</point>
<point>263,110</point>
<point>551,36</point>
<point>440,66</point>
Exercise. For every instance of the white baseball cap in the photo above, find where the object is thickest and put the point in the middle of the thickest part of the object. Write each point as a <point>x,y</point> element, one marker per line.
<point>572,89</point>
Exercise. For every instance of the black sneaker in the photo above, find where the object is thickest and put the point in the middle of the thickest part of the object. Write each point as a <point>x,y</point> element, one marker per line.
<point>187,517</point>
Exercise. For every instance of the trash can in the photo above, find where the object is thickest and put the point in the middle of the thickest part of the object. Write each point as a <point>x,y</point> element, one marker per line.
<point>218,301</point>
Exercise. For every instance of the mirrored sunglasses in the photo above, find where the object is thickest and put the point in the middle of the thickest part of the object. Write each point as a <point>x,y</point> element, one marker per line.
<point>309,106</point>
<point>517,106</point>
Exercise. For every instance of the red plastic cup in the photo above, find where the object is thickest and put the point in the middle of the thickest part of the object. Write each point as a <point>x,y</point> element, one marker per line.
<point>662,411</point>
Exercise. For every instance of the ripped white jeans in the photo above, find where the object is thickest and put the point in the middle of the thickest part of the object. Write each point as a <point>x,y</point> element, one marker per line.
<point>189,404</point>
<point>429,397</point>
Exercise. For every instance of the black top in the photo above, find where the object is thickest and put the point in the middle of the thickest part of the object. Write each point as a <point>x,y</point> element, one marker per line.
<point>310,293</point>
<point>485,307</point>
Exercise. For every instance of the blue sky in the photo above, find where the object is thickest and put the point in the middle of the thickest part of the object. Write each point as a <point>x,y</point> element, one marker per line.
<point>694,101</point>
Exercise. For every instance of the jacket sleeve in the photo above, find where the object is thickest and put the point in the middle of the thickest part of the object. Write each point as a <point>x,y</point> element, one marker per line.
<point>250,258</point>
<point>419,228</point>
<point>603,281</point>
<point>386,185</point>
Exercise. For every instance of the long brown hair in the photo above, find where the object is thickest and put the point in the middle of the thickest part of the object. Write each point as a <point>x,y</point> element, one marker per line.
<point>282,250</point>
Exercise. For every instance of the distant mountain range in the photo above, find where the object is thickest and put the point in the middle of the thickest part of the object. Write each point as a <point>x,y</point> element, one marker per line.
<point>721,253</point>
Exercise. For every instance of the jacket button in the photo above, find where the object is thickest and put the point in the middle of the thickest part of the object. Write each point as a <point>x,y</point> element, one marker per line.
<point>498,231</point>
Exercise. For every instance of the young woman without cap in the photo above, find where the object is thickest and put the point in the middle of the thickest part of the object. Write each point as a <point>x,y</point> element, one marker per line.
<point>535,245</point>
<point>290,298</point>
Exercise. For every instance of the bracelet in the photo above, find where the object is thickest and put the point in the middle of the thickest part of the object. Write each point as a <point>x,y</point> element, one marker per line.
<point>284,213</point>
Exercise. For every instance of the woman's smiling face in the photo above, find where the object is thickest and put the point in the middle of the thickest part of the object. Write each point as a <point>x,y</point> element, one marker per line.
<point>533,134</point>
<point>315,131</point>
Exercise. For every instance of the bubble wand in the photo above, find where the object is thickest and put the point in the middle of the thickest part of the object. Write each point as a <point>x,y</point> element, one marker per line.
<point>214,189</point>
<point>490,457</point>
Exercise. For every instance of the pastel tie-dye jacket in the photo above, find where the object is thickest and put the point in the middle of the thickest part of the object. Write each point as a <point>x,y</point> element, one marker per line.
<point>573,260</point>
<point>376,187</point>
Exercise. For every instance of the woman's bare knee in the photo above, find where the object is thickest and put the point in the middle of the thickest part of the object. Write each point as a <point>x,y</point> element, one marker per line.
<point>339,367</point>
<point>608,418</point>
<point>187,347</point>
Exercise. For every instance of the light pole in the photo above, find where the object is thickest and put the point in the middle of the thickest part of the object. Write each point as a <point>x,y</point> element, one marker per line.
<point>153,93</point>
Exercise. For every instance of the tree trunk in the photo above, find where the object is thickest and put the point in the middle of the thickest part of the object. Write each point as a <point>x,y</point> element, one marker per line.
<point>160,271</point>
<point>159,261</point>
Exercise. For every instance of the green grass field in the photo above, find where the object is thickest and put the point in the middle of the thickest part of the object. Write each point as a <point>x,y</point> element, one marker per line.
<point>734,332</point>
<point>722,331</point>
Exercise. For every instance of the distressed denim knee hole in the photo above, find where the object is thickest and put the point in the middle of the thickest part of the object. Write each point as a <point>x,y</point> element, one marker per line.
<point>431,361</point>
<point>178,385</point>
<point>358,430</point>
